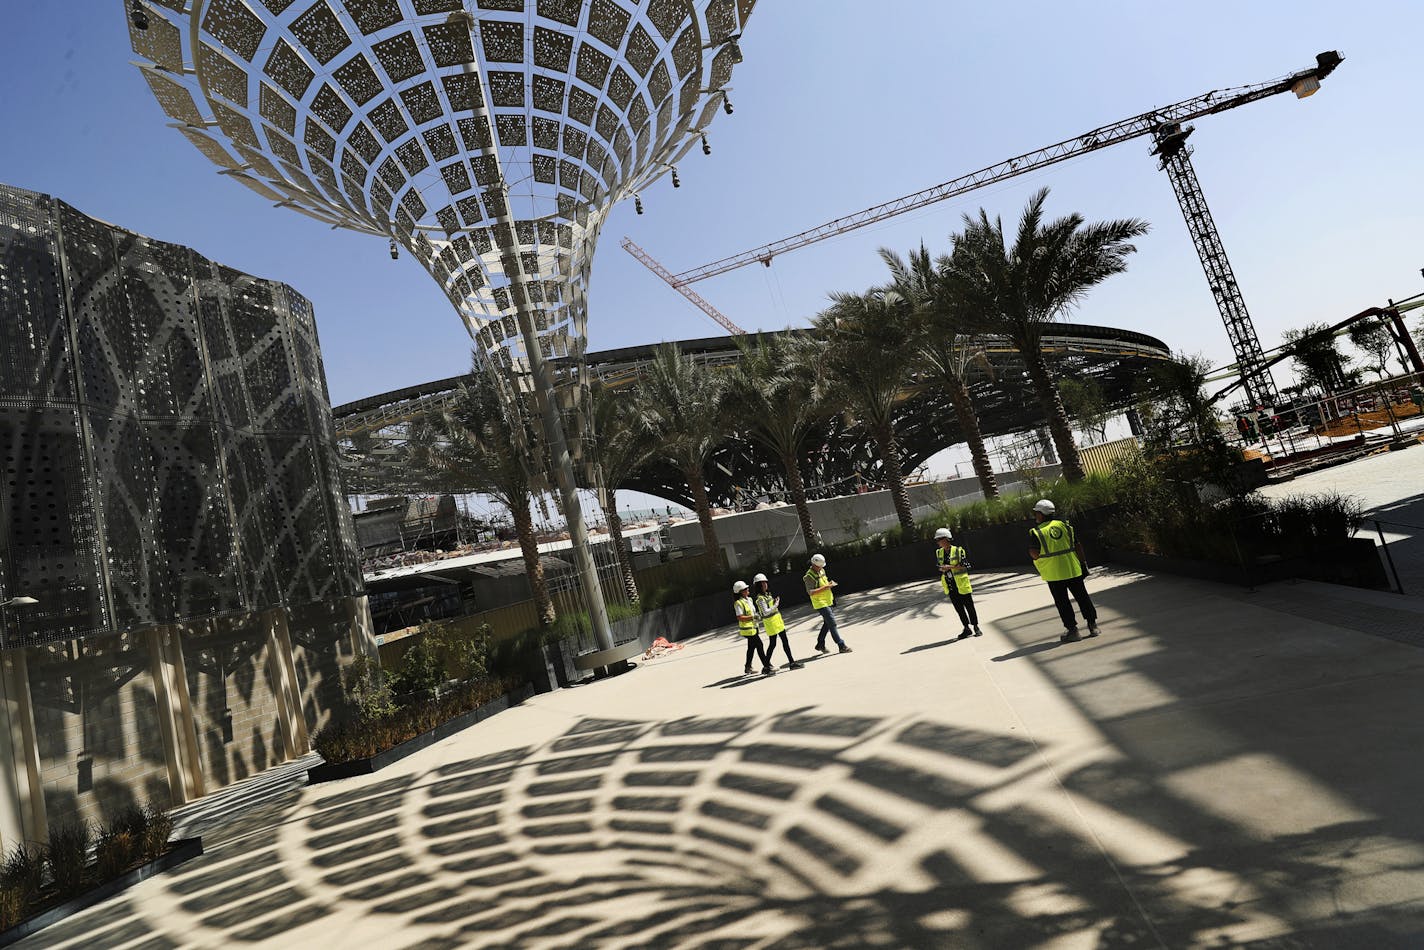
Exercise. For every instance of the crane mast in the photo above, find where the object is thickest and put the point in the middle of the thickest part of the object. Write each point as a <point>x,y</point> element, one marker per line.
<point>1164,125</point>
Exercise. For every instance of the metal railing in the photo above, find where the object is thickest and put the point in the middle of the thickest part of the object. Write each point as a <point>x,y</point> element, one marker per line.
<point>1375,414</point>
<point>1413,533</point>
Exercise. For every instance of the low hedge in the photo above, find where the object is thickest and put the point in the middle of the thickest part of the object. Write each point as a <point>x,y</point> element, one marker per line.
<point>357,736</point>
<point>34,878</point>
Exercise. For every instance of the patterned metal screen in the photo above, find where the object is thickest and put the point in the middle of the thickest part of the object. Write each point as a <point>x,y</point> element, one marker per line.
<point>488,137</point>
<point>166,435</point>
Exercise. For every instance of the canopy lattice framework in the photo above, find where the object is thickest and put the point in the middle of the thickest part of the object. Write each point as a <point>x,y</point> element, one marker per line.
<point>490,144</point>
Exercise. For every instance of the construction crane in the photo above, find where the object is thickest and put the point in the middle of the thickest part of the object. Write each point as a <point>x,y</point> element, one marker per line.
<point>697,299</point>
<point>1167,126</point>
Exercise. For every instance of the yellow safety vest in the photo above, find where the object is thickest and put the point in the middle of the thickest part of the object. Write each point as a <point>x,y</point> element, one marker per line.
<point>1057,560</point>
<point>747,627</point>
<point>957,569</point>
<point>770,614</point>
<point>825,598</point>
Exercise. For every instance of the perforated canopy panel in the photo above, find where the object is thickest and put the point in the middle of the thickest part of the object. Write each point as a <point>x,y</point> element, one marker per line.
<point>165,434</point>
<point>490,142</point>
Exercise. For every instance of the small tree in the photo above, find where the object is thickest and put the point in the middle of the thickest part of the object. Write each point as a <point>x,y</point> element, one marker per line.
<point>779,394</point>
<point>1315,351</point>
<point>1021,290</point>
<point>868,342</point>
<point>620,445</point>
<point>1372,338</point>
<point>681,401</point>
<point>1086,406</point>
<point>947,349</point>
<point>474,441</point>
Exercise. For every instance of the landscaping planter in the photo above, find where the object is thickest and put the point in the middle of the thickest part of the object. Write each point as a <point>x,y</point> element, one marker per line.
<point>331,771</point>
<point>180,851</point>
<point>1354,562</point>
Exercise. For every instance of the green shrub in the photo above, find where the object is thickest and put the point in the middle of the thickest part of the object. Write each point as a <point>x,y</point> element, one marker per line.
<point>366,689</point>
<point>358,737</point>
<point>158,828</point>
<point>68,857</point>
<point>23,871</point>
<point>117,850</point>
<point>12,906</point>
<point>421,669</point>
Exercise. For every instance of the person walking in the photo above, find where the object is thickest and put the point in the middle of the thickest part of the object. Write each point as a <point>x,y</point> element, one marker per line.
<point>953,563</point>
<point>747,626</point>
<point>818,585</point>
<point>768,608</point>
<point>1058,555</point>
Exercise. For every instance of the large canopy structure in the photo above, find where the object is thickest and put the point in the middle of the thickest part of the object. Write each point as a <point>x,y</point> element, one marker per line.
<point>488,137</point>
<point>372,432</point>
<point>489,144</point>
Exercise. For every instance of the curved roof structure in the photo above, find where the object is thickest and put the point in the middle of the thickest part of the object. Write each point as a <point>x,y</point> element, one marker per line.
<point>490,143</point>
<point>371,431</point>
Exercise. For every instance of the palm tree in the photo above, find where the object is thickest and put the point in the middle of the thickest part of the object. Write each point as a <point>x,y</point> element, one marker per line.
<point>946,348</point>
<point>681,402</point>
<point>1021,291</point>
<point>470,442</point>
<point>619,445</point>
<point>777,393</point>
<point>867,343</point>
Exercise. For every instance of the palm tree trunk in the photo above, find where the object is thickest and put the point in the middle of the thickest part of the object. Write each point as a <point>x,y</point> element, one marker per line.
<point>890,459</point>
<point>969,425</point>
<point>698,488</point>
<point>533,567</point>
<point>792,464</point>
<point>1052,405</point>
<point>620,550</point>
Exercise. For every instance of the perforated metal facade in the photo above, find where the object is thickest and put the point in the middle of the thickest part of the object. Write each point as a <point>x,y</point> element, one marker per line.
<point>490,144</point>
<point>165,434</point>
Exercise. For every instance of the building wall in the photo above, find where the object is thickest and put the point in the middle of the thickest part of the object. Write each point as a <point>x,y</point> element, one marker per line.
<point>234,707</point>
<point>96,718</point>
<point>322,647</point>
<point>768,533</point>
<point>170,470</point>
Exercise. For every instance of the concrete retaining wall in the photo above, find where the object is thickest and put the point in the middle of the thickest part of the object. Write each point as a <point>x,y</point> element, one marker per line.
<point>768,533</point>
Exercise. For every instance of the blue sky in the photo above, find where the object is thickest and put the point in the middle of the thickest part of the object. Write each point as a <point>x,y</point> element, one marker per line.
<point>837,108</point>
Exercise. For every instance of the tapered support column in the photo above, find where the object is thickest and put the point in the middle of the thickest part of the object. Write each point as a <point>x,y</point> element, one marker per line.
<point>511,258</point>
<point>283,673</point>
<point>175,714</point>
<point>22,805</point>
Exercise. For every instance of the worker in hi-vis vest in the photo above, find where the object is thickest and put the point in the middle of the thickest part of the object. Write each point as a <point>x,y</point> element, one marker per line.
<point>1058,555</point>
<point>747,626</point>
<point>768,608</point>
<point>953,563</point>
<point>818,585</point>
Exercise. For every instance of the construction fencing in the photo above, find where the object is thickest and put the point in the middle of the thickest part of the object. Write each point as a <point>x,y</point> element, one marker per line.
<point>1360,419</point>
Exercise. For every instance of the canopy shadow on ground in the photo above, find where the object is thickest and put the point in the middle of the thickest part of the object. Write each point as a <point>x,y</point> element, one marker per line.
<point>808,827</point>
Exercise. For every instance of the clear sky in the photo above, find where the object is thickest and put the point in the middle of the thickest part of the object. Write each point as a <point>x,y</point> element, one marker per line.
<point>839,106</point>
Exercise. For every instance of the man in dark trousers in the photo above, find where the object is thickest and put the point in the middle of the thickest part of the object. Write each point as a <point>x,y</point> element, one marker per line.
<point>953,565</point>
<point>1058,555</point>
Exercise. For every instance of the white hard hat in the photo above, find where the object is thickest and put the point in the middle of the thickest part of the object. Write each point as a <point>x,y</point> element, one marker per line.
<point>758,579</point>
<point>1045,507</point>
<point>819,560</point>
<point>739,586</point>
<point>943,533</point>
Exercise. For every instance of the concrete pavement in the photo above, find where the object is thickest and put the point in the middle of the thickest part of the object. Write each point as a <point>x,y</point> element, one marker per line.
<point>1219,768</point>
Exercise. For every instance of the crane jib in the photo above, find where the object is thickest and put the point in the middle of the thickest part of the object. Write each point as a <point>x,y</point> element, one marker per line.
<point>1209,103</point>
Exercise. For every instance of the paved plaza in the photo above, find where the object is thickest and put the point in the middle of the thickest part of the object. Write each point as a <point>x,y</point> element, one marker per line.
<point>1219,768</point>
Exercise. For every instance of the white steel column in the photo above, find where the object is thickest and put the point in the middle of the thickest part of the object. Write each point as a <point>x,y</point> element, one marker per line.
<point>507,243</point>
